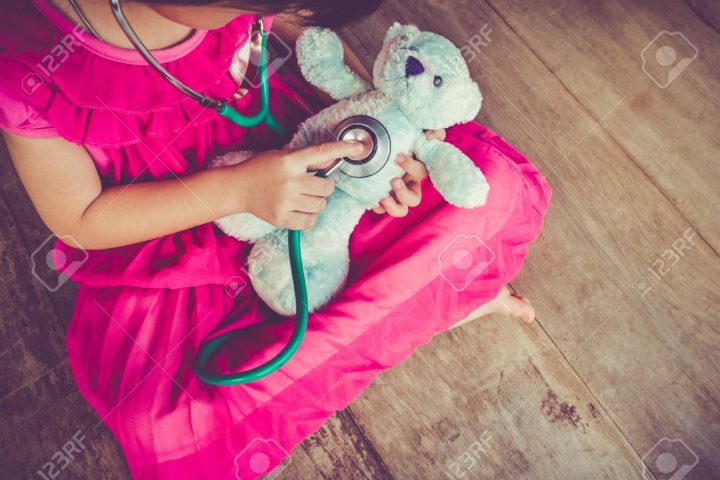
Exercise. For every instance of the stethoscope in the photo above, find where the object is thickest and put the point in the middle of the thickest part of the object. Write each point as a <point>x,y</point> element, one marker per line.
<point>259,42</point>
<point>364,129</point>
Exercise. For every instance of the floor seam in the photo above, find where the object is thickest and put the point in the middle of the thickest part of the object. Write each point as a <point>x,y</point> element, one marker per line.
<point>370,446</point>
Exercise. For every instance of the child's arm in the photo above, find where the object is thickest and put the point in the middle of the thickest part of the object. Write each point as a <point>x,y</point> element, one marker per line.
<point>65,188</point>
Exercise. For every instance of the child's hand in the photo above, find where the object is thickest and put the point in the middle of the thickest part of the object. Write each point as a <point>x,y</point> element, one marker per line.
<point>406,191</point>
<point>275,186</point>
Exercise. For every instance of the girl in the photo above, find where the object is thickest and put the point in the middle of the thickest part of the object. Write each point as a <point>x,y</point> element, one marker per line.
<point>114,160</point>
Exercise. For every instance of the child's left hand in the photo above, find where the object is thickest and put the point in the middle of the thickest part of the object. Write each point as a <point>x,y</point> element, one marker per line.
<point>406,191</point>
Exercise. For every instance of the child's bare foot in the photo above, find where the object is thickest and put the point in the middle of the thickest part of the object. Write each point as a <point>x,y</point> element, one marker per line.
<point>506,303</point>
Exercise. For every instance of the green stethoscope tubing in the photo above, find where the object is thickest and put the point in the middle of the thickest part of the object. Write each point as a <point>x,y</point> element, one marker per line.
<point>263,114</point>
<point>209,348</point>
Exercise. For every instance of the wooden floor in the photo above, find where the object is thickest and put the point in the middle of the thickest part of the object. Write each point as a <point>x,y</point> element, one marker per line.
<point>622,364</point>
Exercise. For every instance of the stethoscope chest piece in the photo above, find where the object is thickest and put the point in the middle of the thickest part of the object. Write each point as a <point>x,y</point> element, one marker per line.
<point>373,135</point>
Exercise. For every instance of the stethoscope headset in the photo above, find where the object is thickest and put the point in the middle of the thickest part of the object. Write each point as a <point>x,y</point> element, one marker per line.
<point>360,128</point>
<point>258,51</point>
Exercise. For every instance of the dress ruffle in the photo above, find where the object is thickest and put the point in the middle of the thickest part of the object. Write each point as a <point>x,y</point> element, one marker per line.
<point>143,129</point>
<point>87,108</point>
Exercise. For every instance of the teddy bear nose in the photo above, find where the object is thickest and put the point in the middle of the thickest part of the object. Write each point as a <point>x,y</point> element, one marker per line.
<point>413,67</point>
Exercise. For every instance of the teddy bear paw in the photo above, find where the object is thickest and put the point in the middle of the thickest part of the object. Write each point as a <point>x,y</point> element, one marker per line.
<point>272,277</point>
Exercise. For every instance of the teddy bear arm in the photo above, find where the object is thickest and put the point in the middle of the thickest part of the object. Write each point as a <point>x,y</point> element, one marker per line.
<point>453,174</point>
<point>245,226</point>
<point>320,56</point>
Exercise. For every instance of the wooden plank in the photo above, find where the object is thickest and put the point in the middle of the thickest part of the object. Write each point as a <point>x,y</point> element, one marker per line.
<point>50,430</point>
<point>608,224</point>
<point>672,132</point>
<point>708,11</point>
<point>492,399</point>
<point>32,230</point>
<point>337,451</point>
<point>39,401</point>
<point>661,346</point>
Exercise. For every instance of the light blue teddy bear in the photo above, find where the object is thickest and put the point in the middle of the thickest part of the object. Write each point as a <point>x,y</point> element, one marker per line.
<point>421,82</point>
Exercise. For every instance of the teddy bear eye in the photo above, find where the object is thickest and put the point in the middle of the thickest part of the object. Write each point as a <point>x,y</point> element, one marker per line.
<point>437,81</point>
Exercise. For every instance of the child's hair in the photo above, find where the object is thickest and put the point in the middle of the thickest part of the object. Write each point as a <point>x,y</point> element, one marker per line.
<point>322,13</point>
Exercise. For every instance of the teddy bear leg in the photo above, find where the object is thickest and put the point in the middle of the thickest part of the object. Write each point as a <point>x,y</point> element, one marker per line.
<point>245,226</point>
<point>324,250</point>
<point>269,268</point>
<point>271,276</point>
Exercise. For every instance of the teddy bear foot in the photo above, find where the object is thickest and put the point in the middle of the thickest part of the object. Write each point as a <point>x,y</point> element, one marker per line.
<point>245,227</point>
<point>272,278</point>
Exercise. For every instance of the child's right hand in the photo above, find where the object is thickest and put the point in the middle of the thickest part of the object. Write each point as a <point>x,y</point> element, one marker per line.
<point>275,185</point>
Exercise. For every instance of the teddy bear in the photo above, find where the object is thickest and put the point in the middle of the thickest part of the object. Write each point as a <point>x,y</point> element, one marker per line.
<point>421,82</point>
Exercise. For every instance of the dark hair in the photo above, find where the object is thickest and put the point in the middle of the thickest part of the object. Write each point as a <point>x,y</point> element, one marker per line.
<point>321,13</point>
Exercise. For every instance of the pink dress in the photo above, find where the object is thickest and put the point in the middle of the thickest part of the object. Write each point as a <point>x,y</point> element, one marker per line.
<point>142,310</point>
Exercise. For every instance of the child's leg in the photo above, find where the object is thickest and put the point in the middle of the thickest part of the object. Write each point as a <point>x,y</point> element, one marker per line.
<point>505,303</point>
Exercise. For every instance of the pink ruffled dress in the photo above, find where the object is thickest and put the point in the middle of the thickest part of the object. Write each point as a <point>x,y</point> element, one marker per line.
<point>142,310</point>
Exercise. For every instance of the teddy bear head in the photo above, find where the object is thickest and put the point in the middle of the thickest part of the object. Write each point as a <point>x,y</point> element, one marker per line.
<point>427,76</point>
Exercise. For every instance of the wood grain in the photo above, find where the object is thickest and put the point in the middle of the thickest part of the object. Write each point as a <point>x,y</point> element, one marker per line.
<point>337,451</point>
<point>708,11</point>
<point>609,370</point>
<point>492,399</point>
<point>663,341</point>
<point>39,402</point>
<point>671,132</point>
<point>612,217</point>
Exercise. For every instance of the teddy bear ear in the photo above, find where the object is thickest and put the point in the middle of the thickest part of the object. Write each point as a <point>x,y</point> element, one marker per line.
<point>396,30</point>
